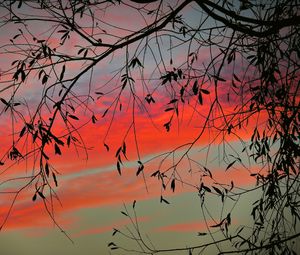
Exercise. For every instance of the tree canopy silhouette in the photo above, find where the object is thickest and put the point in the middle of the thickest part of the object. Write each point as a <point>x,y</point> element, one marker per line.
<point>231,66</point>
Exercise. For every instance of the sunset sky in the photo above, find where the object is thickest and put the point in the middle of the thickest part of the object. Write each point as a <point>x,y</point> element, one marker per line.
<point>91,191</point>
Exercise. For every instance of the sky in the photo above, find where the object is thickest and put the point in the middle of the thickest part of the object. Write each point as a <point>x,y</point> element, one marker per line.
<point>91,192</point>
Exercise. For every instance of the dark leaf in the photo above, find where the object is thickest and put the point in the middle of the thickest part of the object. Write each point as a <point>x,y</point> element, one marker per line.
<point>47,169</point>
<point>40,74</point>
<point>195,88</point>
<point>204,91</point>
<point>237,78</point>
<point>173,101</point>
<point>173,185</point>
<point>45,79</point>
<point>41,195</point>
<point>4,101</point>
<point>218,78</point>
<point>62,73</point>
<point>73,117</point>
<point>16,36</point>
<point>206,188</point>
<point>200,99</point>
<point>106,146</point>
<point>217,190</point>
<point>208,171</point>
<point>232,185</point>
<point>140,169</point>
<point>20,4</point>
<point>119,168</point>
<point>22,131</point>
<point>228,219</point>
<point>218,225</point>
<point>167,126</point>
<point>164,200</point>
<point>105,112</point>
<point>45,156</point>
<point>34,197</point>
<point>54,178</point>
<point>118,152</point>
<point>155,173</point>
<point>94,119</point>
<point>115,231</point>
<point>68,141</point>
<point>57,149</point>
<point>133,205</point>
<point>124,213</point>
<point>80,51</point>
<point>230,165</point>
<point>124,149</point>
<point>23,75</point>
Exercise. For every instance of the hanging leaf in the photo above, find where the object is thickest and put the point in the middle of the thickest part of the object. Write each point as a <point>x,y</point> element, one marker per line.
<point>118,152</point>
<point>106,147</point>
<point>219,78</point>
<point>41,195</point>
<point>208,171</point>
<point>124,213</point>
<point>164,200</point>
<point>57,149</point>
<point>204,91</point>
<point>69,141</point>
<point>115,231</point>
<point>173,101</point>
<point>94,119</point>
<point>119,167</point>
<point>105,112</point>
<point>73,117</point>
<point>173,185</point>
<point>200,99</point>
<point>228,219</point>
<point>237,78</point>
<point>217,190</point>
<point>218,225</point>
<point>195,87</point>
<point>140,169</point>
<point>155,173</point>
<point>206,188</point>
<point>54,178</point>
<point>45,79</point>
<point>22,131</point>
<point>62,73</point>
<point>47,169</point>
<point>230,165</point>
<point>111,244</point>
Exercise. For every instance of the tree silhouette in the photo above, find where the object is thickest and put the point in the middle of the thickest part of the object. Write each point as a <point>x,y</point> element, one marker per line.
<point>234,65</point>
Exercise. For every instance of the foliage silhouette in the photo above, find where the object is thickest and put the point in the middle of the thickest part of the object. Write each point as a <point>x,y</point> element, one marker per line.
<point>233,64</point>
